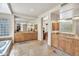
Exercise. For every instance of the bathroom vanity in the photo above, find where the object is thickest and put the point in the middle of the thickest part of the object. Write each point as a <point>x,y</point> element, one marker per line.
<point>25,36</point>
<point>65,42</point>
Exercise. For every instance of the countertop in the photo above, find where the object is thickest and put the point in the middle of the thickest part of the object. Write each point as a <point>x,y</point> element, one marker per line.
<point>25,32</point>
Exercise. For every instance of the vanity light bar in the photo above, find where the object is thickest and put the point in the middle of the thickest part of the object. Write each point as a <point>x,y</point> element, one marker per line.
<point>76,17</point>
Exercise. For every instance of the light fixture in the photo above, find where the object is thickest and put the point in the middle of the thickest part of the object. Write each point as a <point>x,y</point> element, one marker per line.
<point>54,21</point>
<point>76,17</point>
<point>65,20</point>
<point>45,18</point>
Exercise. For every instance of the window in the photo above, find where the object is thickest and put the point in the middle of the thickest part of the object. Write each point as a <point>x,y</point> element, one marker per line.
<point>4,27</point>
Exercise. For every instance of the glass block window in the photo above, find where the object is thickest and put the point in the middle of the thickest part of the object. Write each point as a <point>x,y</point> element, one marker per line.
<point>4,27</point>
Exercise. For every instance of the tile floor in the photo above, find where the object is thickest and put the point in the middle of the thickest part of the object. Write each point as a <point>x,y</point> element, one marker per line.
<point>35,48</point>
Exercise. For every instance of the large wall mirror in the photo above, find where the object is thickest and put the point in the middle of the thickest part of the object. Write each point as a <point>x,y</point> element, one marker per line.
<point>66,26</point>
<point>77,27</point>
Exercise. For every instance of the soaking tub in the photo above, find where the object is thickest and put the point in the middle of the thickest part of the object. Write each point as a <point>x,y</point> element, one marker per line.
<point>5,47</point>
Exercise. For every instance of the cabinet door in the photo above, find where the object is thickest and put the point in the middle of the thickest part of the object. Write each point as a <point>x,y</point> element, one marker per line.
<point>76,47</point>
<point>19,37</point>
<point>55,40</point>
<point>69,46</point>
<point>62,43</point>
<point>55,26</point>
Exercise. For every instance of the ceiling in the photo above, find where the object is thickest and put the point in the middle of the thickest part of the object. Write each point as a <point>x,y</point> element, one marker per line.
<point>4,8</point>
<point>26,10</point>
<point>31,9</point>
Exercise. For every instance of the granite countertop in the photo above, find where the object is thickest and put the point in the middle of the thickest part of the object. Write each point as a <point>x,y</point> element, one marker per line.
<point>25,32</point>
<point>69,36</point>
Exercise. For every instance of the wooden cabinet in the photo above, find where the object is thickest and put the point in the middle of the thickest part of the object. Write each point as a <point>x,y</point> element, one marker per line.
<point>69,46</point>
<point>76,47</point>
<point>72,46</point>
<point>65,43</point>
<point>55,40</point>
<point>55,26</point>
<point>62,43</point>
<point>30,36</point>
<point>18,37</point>
<point>25,36</point>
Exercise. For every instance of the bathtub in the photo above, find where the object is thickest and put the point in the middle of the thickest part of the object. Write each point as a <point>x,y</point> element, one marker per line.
<point>5,47</point>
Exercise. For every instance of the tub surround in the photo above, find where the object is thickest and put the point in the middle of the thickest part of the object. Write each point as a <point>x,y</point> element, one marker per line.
<point>6,38</point>
<point>5,47</point>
